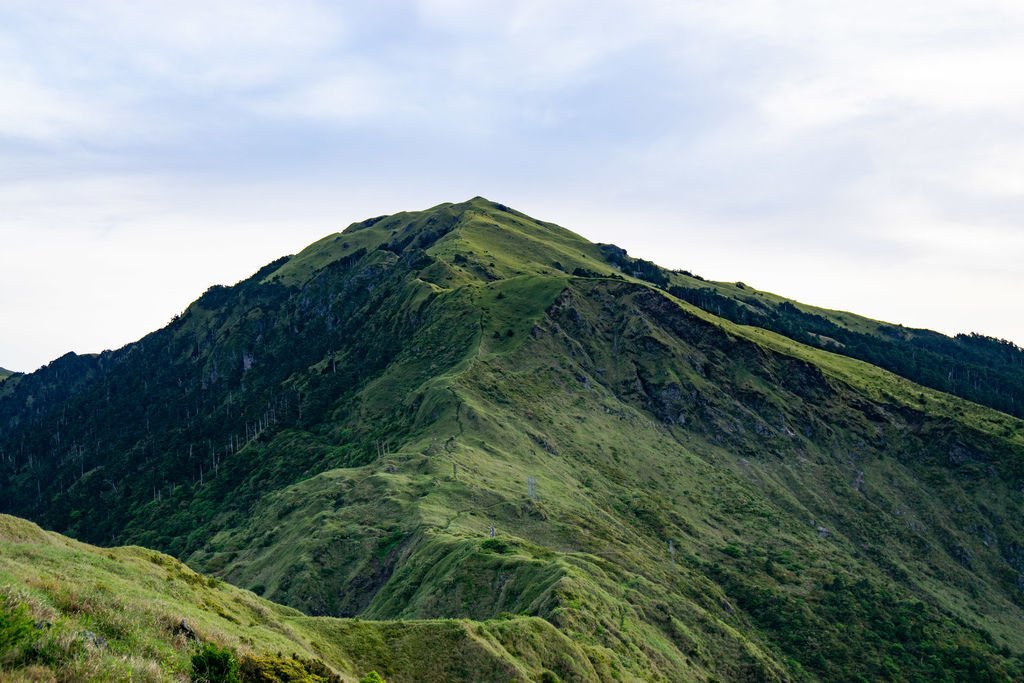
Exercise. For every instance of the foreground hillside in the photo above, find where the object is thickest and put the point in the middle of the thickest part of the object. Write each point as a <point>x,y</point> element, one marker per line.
<point>76,612</point>
<point>467,413</point>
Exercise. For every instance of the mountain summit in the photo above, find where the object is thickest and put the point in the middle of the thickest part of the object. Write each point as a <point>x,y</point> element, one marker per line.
<point>478,239</point>
<point>630,473</point>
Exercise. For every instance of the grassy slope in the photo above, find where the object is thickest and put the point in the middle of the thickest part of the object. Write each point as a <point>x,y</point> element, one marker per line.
<point>805,494</point>
<point>133,601</point>
<point>739,291</point>
<point>974,367</point>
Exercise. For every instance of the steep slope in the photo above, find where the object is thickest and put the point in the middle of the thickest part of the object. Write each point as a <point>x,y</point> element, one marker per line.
<point>464,412</point>
<point>973,366</point>
<point>4,374</point>
<point>979,368</point>
<point>83,613</point>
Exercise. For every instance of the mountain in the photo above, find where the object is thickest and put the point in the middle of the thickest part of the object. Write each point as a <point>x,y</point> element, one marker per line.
<point>468,413</point>
<point>4,374</point>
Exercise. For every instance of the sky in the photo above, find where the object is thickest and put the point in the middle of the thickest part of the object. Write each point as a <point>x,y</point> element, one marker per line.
<point>865,156</point>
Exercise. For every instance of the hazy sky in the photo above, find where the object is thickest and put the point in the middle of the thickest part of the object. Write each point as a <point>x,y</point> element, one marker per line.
<point>860,155</point>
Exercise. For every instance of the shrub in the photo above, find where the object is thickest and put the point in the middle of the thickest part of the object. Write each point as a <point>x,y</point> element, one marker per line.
<point>212,664</point>
<point>17,629</point>
<point>294,669</point>
<point>495,545</point>
<point>372,677</point>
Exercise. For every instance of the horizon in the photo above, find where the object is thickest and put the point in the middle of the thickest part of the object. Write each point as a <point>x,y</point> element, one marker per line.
<point>851,158</point>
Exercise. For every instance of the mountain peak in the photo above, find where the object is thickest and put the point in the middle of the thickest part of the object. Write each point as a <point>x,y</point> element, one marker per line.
<point>483,203</point>
<point>479,239</point>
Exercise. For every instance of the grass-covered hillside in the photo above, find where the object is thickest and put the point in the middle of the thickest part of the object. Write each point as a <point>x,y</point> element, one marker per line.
<point>465,413</point>
<point>973,366</point>
<point>4,374</point>
<point>76,612</point>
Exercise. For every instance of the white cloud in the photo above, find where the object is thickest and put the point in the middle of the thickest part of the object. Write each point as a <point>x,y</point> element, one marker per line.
<point>197,45</point>
<point>357,93</point>
<point>780,143</point>
<point>31,110</point>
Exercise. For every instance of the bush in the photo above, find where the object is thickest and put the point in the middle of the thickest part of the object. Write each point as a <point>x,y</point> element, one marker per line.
<point>372,677</point>
<point>294,669</point>
<point>212,664</point>
<point>495,545</point>
<point>17,629</point>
